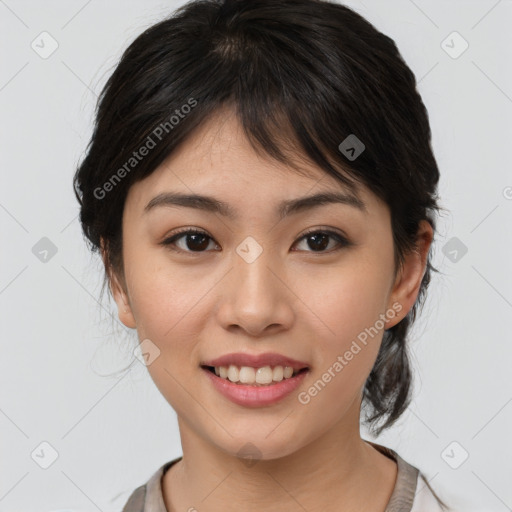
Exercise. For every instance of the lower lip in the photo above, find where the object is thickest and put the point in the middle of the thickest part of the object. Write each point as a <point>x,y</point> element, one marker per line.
<point>255,396</point>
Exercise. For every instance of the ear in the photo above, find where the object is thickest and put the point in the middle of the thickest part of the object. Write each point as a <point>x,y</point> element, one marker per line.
<point>408,281</point>
<point>118,291</point>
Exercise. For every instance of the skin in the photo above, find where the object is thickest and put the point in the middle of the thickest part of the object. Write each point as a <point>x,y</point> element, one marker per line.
<point>306,304</point>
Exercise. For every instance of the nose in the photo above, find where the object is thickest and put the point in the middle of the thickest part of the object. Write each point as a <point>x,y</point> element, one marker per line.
<point>255,298</point>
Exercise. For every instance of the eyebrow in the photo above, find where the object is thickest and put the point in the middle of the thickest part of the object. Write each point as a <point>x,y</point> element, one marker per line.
<point>285,208</point>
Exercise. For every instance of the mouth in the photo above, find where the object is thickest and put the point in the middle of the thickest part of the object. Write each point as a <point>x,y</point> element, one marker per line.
<point>251,387</point>
<point>255,380</point>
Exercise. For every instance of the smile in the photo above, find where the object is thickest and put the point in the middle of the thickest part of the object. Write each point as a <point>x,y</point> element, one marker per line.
<point>240,384</point>
<point>264,375</point>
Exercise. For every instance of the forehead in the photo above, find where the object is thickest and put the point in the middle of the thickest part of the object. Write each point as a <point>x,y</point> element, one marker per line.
<point>219,159</point>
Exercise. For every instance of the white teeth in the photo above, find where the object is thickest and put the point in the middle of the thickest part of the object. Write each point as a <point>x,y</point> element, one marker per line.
<point>278,374</point>
<point>248,375</point>
<point>264,375</point>
<point>233,373</point>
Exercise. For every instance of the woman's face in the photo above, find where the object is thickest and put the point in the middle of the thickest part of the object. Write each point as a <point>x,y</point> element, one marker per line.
<point>255,284</point>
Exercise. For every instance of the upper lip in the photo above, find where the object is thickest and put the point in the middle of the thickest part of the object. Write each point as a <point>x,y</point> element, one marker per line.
<point>255,360</point>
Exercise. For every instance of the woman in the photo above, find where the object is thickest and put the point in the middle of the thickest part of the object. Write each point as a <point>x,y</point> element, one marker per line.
<point>261,185</point>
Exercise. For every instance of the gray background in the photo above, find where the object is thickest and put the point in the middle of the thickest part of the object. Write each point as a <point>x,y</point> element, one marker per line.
<point>63,352</point>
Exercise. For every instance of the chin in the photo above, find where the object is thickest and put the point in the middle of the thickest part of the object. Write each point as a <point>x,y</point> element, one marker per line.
<point>254,446</point>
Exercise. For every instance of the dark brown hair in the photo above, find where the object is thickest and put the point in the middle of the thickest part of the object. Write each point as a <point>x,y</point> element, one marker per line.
<point>315,70</point>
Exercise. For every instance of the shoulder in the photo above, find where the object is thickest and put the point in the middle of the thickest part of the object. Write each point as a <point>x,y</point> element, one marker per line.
<point>425,498</point>
<point>136,500</point>
<point>412,492</point>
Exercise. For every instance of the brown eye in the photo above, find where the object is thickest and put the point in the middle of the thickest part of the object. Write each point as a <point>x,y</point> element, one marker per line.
<point>190,240</point>
<point>319,240</point>
<point>195,241</point>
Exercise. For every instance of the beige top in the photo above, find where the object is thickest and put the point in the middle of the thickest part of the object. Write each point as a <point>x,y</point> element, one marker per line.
<point>411,493</point>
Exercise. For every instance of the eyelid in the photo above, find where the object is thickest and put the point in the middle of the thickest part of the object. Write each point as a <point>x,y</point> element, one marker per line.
<point>169,241</point>
<point>326,230</point>
<point>340,237</point>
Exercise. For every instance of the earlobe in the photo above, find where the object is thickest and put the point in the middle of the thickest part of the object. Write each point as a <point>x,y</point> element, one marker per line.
<point>124,310</point>
<point>408,281</point>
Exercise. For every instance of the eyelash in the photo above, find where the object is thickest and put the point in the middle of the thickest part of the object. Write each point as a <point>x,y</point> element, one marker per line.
<point>169,242</point>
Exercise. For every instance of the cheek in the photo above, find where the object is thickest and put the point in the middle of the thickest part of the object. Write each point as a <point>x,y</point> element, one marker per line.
<point>346,351</point>
<point>167,306</point>
<point>345,307</point>
<point>346,300</point>
<point>164,298</point>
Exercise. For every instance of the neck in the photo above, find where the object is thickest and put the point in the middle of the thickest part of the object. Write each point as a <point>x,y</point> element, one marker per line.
<point>339,471</point>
